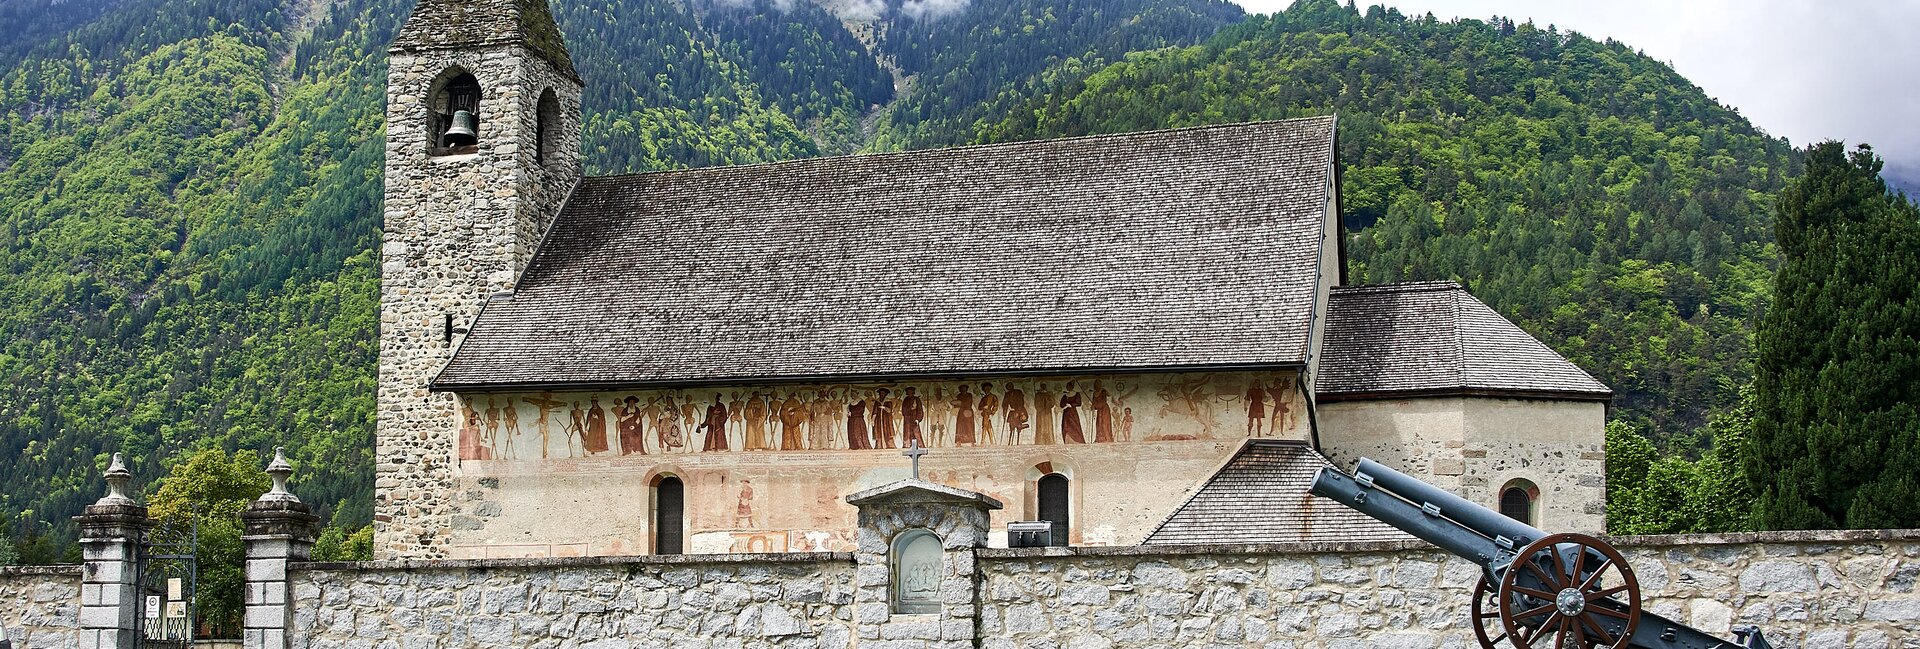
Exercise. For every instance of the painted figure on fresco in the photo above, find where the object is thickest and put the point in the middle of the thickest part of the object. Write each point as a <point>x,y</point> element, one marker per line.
<point>1256,407</point>
<point>1102,414</point>
<point>595,437</point>
<point>667,424</point>
<point>628,416</point>
<point>989,405</point>
<point>793,416</point>
<point>493,430</point>
<point>510,427</point>
<point>1281,388</point>
<point>576,427</point>
<point>1126,424</point>
<point>743,514</point>
<point>820,422</point>
<point>735,405</point>
<point>756,415</point>
<point>883,409</point>
<point>1044,402</point>
<point>938,408</point>
<point>1070,416</point>
<point>912,411</point>
<point>1016,413</point>
<point>1190,398</point>
<point>471,446</point>
<point>963,418</point>
<point>715,426</point>
<point>543,421</point>
<point>857,439</point>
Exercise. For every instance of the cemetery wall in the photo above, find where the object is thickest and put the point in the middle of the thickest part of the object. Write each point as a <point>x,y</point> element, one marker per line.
<point>745,601</point>
<point>1805,589</point>
<point>40,606</point>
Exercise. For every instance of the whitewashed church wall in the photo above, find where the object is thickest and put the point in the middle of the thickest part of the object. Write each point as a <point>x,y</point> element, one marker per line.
<point>1475,446</point>
<point>40,606</point>
<point>741,601</point>
<point>1819,589</point>
<point>765,468</point>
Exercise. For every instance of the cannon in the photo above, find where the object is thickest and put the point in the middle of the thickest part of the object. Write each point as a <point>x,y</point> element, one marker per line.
<point>1536,590</point>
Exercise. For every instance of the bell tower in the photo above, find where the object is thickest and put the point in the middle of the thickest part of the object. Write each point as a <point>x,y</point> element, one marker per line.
<point>483,147</point>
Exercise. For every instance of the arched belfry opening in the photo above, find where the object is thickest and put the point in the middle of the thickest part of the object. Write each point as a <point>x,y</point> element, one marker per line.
<point>453,113</point>
<point>546,127</point>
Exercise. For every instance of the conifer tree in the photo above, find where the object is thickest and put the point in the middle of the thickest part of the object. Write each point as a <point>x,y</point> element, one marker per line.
<point>1836,436</point>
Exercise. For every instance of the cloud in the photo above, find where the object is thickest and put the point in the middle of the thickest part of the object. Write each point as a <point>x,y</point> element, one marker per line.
<point>933,9</point>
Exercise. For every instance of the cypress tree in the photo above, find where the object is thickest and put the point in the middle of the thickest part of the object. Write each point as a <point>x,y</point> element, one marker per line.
<point>1836,434</point>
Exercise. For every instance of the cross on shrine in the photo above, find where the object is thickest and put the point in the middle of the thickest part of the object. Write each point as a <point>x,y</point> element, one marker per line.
<point>914,451</point>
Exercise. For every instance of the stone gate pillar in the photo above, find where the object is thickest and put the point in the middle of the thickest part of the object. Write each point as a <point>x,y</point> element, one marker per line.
<point>111,532</point>
<point>279,530</point>
<point>916,583</point>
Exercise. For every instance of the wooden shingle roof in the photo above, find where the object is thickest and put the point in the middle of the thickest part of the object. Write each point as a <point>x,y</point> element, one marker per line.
<point>1260,496</point>
<point>1186,248</point>
<point>1433,338</point>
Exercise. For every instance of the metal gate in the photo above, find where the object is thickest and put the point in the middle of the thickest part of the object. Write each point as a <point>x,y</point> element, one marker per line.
<point>169,581</point>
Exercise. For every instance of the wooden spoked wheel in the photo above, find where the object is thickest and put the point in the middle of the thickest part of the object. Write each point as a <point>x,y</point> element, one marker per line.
<point>1486,615</point>
<point>1547,599</point>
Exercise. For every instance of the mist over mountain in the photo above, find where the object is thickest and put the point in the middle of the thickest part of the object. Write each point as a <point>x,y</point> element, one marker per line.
<point>190,189</point>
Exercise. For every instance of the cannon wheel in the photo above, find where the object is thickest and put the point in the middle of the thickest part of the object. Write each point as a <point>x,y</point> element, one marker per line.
<point>1486,611</point>
<point>1572,617</point>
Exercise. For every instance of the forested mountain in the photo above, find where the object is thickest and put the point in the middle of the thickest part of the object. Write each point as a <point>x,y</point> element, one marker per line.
<point>190,189</point>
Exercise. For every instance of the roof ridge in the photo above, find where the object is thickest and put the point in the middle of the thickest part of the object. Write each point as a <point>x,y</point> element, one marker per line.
<point>965,147</point>
<point>1401,287</point>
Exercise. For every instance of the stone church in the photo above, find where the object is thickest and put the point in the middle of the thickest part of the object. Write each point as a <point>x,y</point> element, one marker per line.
<point>1138,338</point>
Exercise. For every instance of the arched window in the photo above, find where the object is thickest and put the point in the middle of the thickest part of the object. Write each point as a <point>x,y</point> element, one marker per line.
<point>1053,505</point>
<point>545,125</point>
<point>453,92</point>
<point>669,509</point>
<point>1516,501</point>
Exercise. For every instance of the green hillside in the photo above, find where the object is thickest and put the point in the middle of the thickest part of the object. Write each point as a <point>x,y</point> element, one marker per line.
<point>189,189</point>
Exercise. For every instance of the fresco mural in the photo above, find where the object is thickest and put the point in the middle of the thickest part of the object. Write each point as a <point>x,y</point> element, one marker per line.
<point>1106,409</point>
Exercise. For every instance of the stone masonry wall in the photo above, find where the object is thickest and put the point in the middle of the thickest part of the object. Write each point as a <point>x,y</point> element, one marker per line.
<point>458,229</point>
<point>802,601</point>
<point>1804,589</point>
<point>40,607</point>
<point>1831,589</point>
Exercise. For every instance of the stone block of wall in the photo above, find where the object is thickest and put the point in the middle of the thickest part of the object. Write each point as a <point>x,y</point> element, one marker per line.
<point>1804,589</point>
<point>40,606</point>
<point>743,601</point>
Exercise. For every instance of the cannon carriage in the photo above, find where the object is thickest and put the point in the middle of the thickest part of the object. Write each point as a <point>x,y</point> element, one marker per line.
<point>1536,589</point>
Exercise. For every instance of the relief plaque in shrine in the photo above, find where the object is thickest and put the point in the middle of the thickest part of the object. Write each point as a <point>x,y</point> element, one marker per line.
<point>916,572</point>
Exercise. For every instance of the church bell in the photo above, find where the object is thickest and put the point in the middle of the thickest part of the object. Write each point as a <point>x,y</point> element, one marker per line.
<point>461,132</point>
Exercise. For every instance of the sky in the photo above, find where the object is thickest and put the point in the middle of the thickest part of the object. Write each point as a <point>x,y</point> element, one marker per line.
<point>1809,70</point>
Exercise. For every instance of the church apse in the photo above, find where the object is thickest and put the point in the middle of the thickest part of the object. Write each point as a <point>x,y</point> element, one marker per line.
<point>766,467</point>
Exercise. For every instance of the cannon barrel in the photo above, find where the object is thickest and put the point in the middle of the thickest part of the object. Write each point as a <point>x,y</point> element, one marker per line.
<point>1386,507</point>
<point>1486,522</point>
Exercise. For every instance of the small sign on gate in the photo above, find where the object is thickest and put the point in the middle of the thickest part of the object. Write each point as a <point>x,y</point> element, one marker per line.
<point>153,607</point>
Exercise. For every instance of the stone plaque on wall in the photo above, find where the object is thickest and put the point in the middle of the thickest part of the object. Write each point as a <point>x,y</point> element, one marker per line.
<point>916,573</point>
